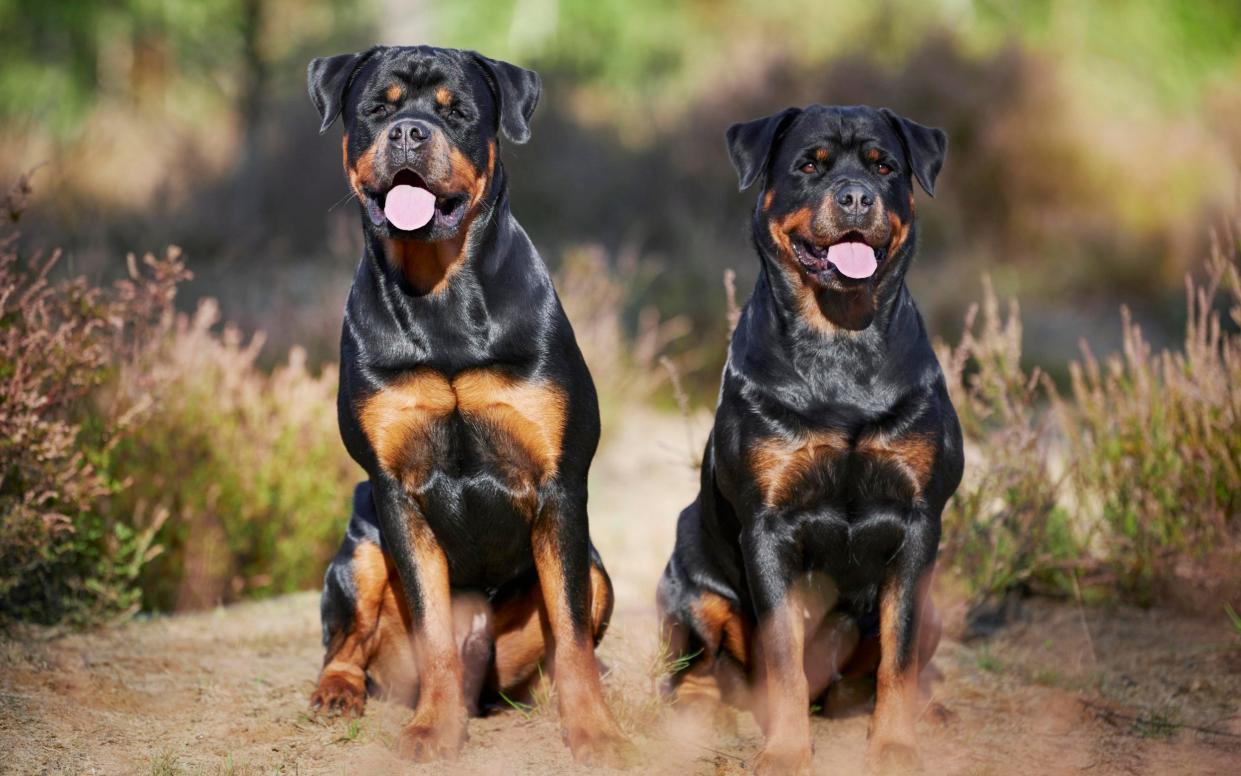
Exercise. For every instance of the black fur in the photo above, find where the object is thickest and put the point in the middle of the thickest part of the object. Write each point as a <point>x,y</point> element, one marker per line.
<point>863,370</point>
<point>498,311</point>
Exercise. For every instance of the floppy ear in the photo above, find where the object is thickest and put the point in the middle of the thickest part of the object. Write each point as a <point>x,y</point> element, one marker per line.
<point>925,148</point>
<point>749,145</point>
<point>327,79</point>
<point>517,91</point>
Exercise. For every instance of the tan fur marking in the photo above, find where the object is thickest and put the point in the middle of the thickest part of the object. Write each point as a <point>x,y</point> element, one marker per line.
<point>464,177</point>
<point>439,718</point>
<point>781,230</point>
<point>780,653</point>
<point>779,464</point>
<point>914,454</point>
<point>873,155</point>
<point>896,688</point>
<point>362,173</point>
<point>443,97</point>
<point>699,685</point>
<point>436,589</point>
<point>523,630</point>
<point>522,635</point>
<point>584,714</point>
<point>429,266</point>
<point>531,413</point>
<point>821,154</point>
<point>394,415</point>
<point>768,198</point>
<point>900,233</point>
<point>377,643</point>
<point>726,628</point>
<point>394,92</point>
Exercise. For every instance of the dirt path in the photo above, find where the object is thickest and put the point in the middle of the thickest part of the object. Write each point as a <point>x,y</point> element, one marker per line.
<point>1058,691</point>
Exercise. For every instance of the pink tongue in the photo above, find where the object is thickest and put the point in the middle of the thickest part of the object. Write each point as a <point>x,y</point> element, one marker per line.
<point>853,259</point>
<point>409,207</point>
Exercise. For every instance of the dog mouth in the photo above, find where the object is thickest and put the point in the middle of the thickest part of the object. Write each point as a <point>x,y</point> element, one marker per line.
<point>850,257</point>
<point>410,205</point>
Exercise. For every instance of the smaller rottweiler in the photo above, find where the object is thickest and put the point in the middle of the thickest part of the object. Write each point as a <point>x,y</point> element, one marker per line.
<point>812,542</point>
<point>464,396</point>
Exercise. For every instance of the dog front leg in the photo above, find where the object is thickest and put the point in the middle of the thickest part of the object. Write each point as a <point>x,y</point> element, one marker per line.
<point>438,727</point>
<point>771,559</point>
<point>562,556</point>
<point>906,623</point>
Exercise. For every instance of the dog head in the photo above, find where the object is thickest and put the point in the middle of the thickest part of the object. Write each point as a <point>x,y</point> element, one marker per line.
<point>836,207</point>
<point>421,130</point>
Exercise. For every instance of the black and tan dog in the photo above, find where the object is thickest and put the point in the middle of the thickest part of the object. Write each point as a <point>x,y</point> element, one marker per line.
<point>835,446</point>
<point>465,398</point>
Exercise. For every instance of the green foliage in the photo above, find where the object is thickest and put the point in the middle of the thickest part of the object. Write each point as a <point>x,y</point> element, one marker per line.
<point>248,464</point>
<point>1004,528</point>
<point>63,557</point>
<point>58,59</point>
<point>1165,49</point>
<point>144,458</point>
<point>1156,438</point>
<point>1150,444</point>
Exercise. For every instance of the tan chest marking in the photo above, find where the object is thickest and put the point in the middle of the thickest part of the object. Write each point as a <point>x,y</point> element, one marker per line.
<point>779,465</point>
<point>914,454</point>
<point>530,413</point>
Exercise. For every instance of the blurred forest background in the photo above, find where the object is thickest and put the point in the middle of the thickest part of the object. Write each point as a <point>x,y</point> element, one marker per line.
<point>1094,147</point>
<point>1092,144</point>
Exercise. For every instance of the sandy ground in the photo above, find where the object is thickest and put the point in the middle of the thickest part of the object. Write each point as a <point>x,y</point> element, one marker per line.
<point>1059,690</point>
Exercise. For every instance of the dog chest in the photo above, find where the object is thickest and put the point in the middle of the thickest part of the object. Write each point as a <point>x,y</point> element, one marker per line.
<point>426,422</point>
<point>806,470</point>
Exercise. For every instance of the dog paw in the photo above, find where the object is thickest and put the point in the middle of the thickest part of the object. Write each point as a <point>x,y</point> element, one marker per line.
<point>599,746</point>
<point>894,759</point>
<point>423,742</point>
<point>339,694</point>
<point>776,760</point>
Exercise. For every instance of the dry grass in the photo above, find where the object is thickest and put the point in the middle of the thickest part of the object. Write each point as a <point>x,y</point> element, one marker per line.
<point>62,557</point>
<point>248,464</point>
<point>1133,481</point>
<point>1004,528</point>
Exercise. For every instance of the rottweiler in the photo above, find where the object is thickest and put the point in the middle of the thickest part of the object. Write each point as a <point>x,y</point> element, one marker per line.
<point>810,547</point>
<point>465,398</point>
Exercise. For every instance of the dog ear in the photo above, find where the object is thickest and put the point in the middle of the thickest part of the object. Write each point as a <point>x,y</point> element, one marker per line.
<point>925,148</point>
<point>750,143</point>
<point>328,78</point>
<point>517,92</point>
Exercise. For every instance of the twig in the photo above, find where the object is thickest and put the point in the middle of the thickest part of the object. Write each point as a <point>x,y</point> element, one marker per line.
<point>1111,715</point>
<point>703,747</point>
<point>730,293</point>
<point>683,405</point>
<point>1081,613</point>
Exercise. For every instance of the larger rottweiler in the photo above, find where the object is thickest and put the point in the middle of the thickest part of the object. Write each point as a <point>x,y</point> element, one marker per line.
<point>835,445</point>
<point>465,398</point>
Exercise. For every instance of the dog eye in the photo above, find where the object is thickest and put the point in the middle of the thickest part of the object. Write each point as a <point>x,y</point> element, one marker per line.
<point>809,168</point>
<point>456,113</point>
<point>378,110</point>
<point>882,168</point>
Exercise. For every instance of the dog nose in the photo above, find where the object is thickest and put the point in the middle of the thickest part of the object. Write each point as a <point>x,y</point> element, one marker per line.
<point>855,199</point>
<point>409,133</point>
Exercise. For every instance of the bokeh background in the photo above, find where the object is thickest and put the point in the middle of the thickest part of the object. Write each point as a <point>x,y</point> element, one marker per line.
<point>169,443</point>
<point>1094,151</point>
<point>1093,145</point>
